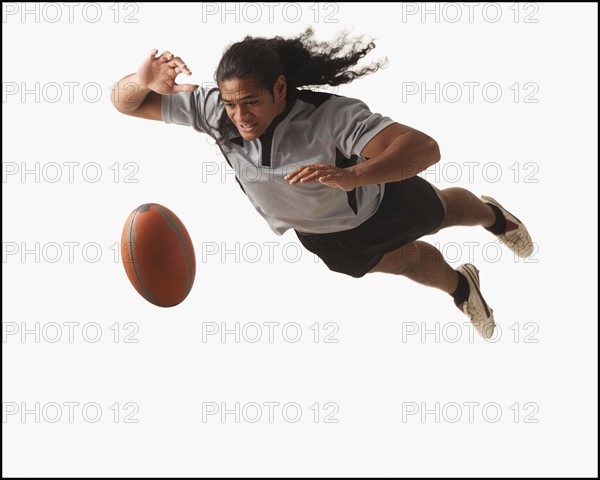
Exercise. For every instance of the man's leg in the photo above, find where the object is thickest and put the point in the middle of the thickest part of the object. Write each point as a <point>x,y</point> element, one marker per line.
<point>422,263</point>
<point>464,209</point>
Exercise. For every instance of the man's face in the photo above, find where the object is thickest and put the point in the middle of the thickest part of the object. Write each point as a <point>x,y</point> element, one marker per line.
<point>250,107</point>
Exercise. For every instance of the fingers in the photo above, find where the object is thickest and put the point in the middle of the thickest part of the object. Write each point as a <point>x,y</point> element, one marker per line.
<point>166,56</point>
<point>309,173</point>
<point>312,176</point>
<point>180,66</point>
<point>328,175</point>
<point>163,57</point>
<point>299,174</point>
<point>171,61</point>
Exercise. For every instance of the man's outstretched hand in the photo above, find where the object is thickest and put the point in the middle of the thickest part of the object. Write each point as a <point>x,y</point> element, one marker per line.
<point>343,178</point>
<point>159,73</point>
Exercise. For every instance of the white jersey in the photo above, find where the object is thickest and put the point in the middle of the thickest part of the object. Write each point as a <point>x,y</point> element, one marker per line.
<point>314,127</point>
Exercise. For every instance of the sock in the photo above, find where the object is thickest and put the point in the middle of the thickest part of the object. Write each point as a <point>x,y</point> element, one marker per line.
<point>499,226</point>
<point>461,294</point>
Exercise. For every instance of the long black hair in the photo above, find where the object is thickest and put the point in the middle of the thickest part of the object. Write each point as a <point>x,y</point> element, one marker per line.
<point>302,60</point>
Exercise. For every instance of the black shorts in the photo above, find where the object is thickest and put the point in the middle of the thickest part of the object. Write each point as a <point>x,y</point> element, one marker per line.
<point>409,210</point>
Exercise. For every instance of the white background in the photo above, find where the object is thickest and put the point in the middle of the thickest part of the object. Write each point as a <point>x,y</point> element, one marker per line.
<point>538,157</point>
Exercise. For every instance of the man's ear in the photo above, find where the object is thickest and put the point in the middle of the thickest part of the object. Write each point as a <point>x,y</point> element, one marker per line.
<point>280,87</point>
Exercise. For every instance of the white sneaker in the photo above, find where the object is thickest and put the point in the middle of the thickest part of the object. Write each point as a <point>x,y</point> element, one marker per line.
<point>516,237</point>
<point>476,308</point>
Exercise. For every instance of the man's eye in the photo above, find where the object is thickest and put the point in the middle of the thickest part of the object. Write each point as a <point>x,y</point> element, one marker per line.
<point>251,103</point>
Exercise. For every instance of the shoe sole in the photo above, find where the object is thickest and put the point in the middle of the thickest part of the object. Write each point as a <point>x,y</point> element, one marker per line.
<point>473,274</point>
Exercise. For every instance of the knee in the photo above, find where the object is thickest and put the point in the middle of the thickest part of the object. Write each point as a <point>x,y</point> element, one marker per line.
<point>446,212</point>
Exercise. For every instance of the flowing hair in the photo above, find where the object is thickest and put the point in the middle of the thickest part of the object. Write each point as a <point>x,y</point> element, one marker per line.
<point>302,60</point>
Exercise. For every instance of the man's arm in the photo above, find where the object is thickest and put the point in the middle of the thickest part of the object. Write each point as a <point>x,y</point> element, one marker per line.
<point>132,98</point>
<point>396,153</point>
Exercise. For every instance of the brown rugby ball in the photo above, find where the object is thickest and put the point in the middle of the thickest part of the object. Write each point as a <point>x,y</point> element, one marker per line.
<point>158,255</point>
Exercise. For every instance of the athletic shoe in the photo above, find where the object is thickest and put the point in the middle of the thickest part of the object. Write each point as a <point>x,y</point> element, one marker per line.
<point>516,236</point>
<point>476,308</point>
